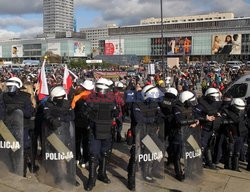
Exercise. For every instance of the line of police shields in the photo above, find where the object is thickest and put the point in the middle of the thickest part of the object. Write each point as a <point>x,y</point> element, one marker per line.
<point>58,164</point>
<point>12,143</point>
<point>150,154</point>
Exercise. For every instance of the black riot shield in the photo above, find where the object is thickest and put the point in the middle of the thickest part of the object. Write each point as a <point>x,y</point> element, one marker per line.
<point>192,153</point>
<point>11,143</point>
<point>58,165</point>
<point>150,153</point>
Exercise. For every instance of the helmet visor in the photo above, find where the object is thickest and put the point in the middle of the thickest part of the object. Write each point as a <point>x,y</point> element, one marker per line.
<point>12,89</point>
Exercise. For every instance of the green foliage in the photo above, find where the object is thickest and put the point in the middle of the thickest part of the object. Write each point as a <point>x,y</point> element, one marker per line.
<point>78,63</point>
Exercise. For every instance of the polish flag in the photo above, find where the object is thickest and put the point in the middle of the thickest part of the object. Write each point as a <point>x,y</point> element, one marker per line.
<point>43,86</point>
<point>67,80</point>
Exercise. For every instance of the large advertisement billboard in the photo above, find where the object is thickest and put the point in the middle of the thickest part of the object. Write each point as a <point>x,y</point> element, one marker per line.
<point>229,44</point>
<point>17,51</point>
<point>79,49</point>
<point>179,45</point>
<point>1,51</point>
<point>114,47</point>
<point>55,48</point>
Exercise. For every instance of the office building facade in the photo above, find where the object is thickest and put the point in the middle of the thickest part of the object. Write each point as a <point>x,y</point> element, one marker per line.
<point>58,16</point>
<point>95,34</point>
<point>220,40</point>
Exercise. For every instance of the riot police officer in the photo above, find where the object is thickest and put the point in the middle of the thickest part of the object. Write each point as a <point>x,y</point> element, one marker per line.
<point>15,99</point>
<point>208,110</point>
<point>58,118</point>
<point>235,132</point>
<point>184,117</point>
<point>81,122</point>
<point>166,105</point>
<point>146,112</point>
<point>102,112</point>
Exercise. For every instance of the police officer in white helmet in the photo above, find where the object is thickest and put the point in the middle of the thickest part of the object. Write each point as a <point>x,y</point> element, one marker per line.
<point>184,119</point>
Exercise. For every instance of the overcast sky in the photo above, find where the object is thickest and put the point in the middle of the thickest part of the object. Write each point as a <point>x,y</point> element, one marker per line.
<point>24,17</point>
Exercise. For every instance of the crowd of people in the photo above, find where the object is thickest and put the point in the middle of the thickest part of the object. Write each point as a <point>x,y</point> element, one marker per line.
<point>97,108</point>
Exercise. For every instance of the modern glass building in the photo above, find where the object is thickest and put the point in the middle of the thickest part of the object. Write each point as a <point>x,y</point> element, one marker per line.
<point>36,48</point>
<point>227,39</point>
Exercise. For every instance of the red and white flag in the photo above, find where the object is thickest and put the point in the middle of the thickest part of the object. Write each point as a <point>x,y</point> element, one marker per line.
<point>67,80</point>
<point>43,86</point>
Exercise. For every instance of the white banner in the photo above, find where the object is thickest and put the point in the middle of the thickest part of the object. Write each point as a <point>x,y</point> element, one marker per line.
<point>79,49</point>
<point>55,48</point>
<point>151,69</point>
<point>17,51</point>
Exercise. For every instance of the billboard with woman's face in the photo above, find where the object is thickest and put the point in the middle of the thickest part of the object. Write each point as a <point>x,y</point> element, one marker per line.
<point>228,44</point>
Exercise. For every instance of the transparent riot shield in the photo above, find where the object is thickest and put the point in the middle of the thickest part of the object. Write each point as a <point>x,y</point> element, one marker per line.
<point>11,143</point>
<point>192,153</point>
<point>58,164</point>
<point>150,153</point>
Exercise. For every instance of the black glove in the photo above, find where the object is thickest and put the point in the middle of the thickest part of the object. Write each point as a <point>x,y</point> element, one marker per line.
<point>55,123</point>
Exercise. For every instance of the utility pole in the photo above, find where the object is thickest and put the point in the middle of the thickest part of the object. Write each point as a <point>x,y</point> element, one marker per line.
<point>162,42</point>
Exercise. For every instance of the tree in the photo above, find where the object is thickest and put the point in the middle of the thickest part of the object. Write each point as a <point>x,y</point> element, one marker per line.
<point>52,58</point>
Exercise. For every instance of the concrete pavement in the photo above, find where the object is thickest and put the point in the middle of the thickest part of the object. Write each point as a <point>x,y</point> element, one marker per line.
<point>211,181</point>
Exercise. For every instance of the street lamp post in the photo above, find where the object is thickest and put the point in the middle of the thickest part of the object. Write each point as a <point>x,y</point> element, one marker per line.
<point>162,40</point>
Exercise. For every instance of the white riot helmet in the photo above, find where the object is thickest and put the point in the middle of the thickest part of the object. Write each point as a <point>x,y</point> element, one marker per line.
<point>151,92</point>
<point>57,92</point>
<point>13,84</point>
<point>102,85</point>
<point>213,94</point>
<point>172,91</point>
<point>87,84</point>
<point>239,104</point>
<point>188,98</point>
<point>119,84</point>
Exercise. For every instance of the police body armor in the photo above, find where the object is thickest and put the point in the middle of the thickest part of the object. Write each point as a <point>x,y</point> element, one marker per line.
<point>191,140</point>
<point>149,144</point>
<point>58,144</point>
<point>102,115</point>
<point>11,143</point>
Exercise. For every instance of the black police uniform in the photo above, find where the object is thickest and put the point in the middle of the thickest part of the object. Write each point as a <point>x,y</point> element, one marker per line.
<point>183,117</point>
<point>21,100</point>
<point>101,114</point>
<point>167,109</point>
<point>82,130</point>
<point>208,134</point>
<point>58,117</point>
<point>147,113</point>
<point>235,133</point>
<point>221,136</point>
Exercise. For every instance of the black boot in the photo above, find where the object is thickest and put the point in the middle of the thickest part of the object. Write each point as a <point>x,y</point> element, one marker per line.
<point>131,175</point>
<point>118,137</point>
<point>146,169</point>
<point>209,160</point>
<point>178,171</point>
<point>92,174</point>
<point>102,175</point>
<point>228,164</point>
<point>236,164</point>
<point>248,167</point>
<point>33,167</point>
